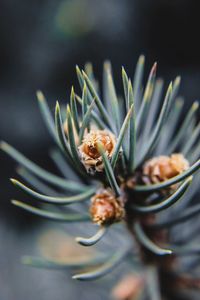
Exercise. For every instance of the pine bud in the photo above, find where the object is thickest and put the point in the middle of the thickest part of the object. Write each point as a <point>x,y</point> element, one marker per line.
<point>89,152</point>
<point>129,288</point>
<point>162,168</point>
<point>106,208</point>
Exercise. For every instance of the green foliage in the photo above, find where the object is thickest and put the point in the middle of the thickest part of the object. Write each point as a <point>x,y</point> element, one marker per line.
<point>145,127</point>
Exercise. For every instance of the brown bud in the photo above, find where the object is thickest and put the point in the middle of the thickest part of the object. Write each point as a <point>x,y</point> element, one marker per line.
<point>129,288</point>
<point>106,208</point>
<point>162,168</point>
<point>89,152</point>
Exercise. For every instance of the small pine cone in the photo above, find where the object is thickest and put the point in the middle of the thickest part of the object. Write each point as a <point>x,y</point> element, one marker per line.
<point>162,168</point>
<point>88,150</point>
<point>106,208</point>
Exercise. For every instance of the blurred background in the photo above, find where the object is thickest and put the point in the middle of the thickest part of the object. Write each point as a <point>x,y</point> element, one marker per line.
<point>40,44</point>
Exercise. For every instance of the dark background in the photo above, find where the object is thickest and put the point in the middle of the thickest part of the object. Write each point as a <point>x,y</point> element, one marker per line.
<point>40,44</point>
